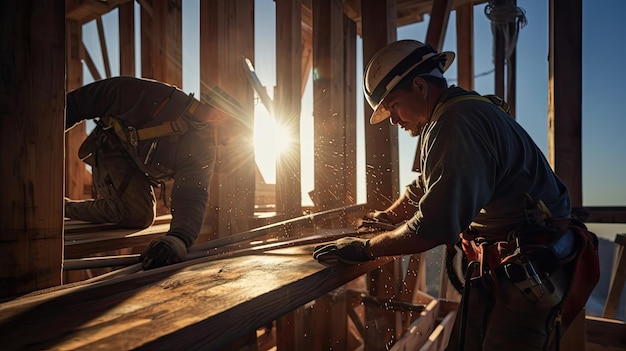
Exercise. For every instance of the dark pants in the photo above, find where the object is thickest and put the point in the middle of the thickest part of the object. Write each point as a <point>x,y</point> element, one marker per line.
<point>126,195</point>
<point>511,322</point>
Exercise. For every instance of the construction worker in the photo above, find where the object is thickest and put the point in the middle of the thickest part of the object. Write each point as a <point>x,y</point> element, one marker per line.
<point>485,185</point>
<point>146,132</point>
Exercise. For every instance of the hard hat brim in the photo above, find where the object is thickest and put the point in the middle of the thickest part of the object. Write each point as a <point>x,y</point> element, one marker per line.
<point>380,112</point>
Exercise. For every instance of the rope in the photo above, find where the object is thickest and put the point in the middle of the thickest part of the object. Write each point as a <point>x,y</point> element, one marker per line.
<point>503,14</point>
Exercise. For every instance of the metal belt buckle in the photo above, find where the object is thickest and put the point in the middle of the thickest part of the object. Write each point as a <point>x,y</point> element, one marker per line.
<point>132,136</point>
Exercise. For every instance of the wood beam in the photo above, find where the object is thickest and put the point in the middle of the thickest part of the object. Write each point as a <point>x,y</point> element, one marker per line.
<point>499,62</point>
<point>84,11</point>
<point>438,24</point>
<point>565,116</point>
<point>511,70</point>
<point>31,144</point>
<point>126,14</point>
<point>150,42</point>
<point>328,105</point>
<point>350,111</point>
<point>378,19</point>
<point>565,94</point>
<point>288,103</point>
<point>168,21</point>
<point>227,28</point>
<point>76,175</point>
<point>103,47</point>
<point>465,46</point>
<point>381,148</point>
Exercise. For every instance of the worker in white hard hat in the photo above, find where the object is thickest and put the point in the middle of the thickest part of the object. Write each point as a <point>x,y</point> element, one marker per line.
<point>485,186</point>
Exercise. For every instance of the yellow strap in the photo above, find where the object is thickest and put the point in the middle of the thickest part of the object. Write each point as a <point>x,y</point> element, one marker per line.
<point>492,99</point>
<point>176,127</point>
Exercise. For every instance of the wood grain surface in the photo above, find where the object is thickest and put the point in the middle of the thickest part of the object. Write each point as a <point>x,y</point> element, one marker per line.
<point>200,304</point>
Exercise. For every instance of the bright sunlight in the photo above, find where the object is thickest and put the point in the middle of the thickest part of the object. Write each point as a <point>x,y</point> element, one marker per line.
<point>270,140</point>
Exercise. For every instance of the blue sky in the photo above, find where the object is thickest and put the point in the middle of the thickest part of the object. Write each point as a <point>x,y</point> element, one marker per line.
<point>604,120</point>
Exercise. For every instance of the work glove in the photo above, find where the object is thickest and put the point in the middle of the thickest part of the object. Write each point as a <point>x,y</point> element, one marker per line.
<point>163,251</point>
<point>378,216</point>
<point>347,250</point>
<point>375,221</point>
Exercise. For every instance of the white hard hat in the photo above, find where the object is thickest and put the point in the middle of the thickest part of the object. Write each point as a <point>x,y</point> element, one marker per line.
<point>392,63</point>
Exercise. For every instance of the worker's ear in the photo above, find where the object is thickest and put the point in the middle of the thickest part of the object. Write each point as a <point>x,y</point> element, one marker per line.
<point>420,85</point>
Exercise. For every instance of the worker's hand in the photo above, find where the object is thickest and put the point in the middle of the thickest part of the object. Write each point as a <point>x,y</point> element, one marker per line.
<point>347,250</point>
<point>378,216</point>
<point>163,251</point>
<point>374,222</point>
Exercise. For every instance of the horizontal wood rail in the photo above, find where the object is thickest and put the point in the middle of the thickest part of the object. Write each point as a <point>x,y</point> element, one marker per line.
<point>196,305</point>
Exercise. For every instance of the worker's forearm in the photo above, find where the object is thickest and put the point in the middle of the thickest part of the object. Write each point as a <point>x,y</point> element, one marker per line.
<point>398,242</point>
<point>401,210</point>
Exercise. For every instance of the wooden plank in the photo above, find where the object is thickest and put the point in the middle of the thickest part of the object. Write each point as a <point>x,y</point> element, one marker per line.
<point>605,334</point>
<point>126,18</point>
<point>76,173</point>
<point>149,41</point>
<point>378,23</point>
<point>103,47</point>
<point>465,46</point>
<point>288,101</point>
<point>420,329</point>
<point>83,245</point>
<point>378,19</point>
<point>618,278</point>
<point>227,27</point>
<point>438,339</point>
<point>600,214</point>
<point>511,70</point>
<point>84,11</point>
<point>168,51</point>
<point>565,94</point>
<point>498,62</point>
<point>328,105</point>
<point>438,23</point>
<point>351,91</point>
<point>32,47</point>
<point>173,307</point>
<point>290,331</point>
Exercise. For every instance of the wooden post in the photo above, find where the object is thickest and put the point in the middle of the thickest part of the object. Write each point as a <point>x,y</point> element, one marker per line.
<point>328,108</point>
<point>31,144</point>
<point>564,116</point>
<point>465,45</point>
<point>227,34</point>
<point>439,15</point>
<point>288,105</point>
<point>126,13</point>
<point>511,72</point>
<point>565,94</point>
<point>150,41</point>
<point>350,113</point>
<point>167,22</point>
<point>498,62</point>
<point>378,23</point>
<point>76,175</point>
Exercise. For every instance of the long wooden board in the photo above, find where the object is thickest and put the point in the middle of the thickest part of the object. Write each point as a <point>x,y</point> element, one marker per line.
<point>198,304</point>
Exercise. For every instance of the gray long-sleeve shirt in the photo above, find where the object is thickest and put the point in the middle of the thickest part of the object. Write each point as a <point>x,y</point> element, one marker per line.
<point>477,165</point>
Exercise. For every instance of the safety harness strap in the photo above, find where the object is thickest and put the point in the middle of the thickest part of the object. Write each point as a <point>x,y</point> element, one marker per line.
<point>493,99</point>
<point>133,136</point>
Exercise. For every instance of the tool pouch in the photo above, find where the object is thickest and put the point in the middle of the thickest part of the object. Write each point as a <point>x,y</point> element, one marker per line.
<point>585,275</point>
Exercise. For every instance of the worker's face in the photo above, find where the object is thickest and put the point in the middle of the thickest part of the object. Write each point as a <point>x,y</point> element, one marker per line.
<point>409,108</point>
